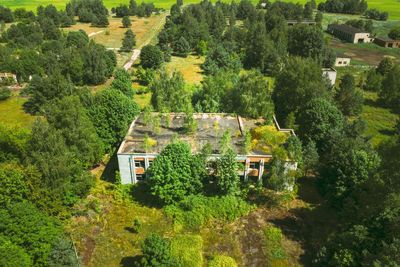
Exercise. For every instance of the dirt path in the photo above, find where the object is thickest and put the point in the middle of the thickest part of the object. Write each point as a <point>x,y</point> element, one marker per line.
<point>371,57</point>
<point>94,33</point>
<point>135,55</point>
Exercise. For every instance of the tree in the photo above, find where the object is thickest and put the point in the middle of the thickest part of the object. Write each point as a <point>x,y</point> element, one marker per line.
<point>308,10</point>
<point>157,251</point>
<point>182,47</point>
<point>317,119</point>
<point>310,157</point>
<point>299,82</point>
<point>252,96</point>
<point>390,90</point>
<point>62,254</point>
<point>385,66</point>
<point>226,173</point>
<point>70,118</point>
<point>151,57</point>
<point>132,7</point>
<point>5,93</point>
<point>100,21</point>
<point>394,33</point>
<point>169,93</point>
<point>126,22</point>
<point>373,81</point>
<point>123,82</point>
<point>122,11</point>
<point>175,173</point>
<point>201,48</point>
<point>349,100</point>
<point>12,184</point>
<point>111,113</point>
<point>24,225</point>
<point>306,41</point>
<point>129,41</point>
<point>225,142</point>
<point>12,254</point>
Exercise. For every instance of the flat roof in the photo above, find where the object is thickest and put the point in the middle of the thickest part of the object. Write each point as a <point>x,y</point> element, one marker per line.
<point>386,39</point>
<point>210,128</point>
<point>347,28</point>
<point>342,55</point>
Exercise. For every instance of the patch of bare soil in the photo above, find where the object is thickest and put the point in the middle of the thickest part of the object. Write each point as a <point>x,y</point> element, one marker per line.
<point>90,245</point>
<point>368,56</point>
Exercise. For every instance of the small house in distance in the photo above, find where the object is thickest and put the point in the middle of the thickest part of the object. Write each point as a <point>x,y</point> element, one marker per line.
<point>134,158</point>
<point>349,33</point>
<point>342,60</point>
<point>294,22</point>
<point>387,42</point>
<point>330,73</point>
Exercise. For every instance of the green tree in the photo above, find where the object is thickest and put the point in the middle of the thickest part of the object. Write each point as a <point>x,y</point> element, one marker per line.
<point>12,254</point>
<point>201,48</point>
<point>24,225</point>
<point>385,66</point>
<point>225,142</point>
<point>157,251</point>
<point>252,97</point>
<point>5,93</point>
<point>373,81</point>
<point>317,119</point>
<point>151,57</point>
<point>390,90</point>
<point>12,184</point>
<point>62,254</point>
<point>299,82</point>
<point>394,33</point>
<point>310,157</point>
<point>70,118</point>
<point>111,113</point>
<point>123,82</point>
<point>182,47</point>
<point>129,41</point>
<point>226,173</point>
<point>100,21</point>
<point>175,173</point>
<point>306,41</point>
<point>349,100</point>
<point>169,93</point>
<point>126,22</point>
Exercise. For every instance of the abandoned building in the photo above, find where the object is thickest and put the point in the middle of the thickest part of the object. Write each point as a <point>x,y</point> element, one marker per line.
<point>8,76</point>
<point>349,34</point>
<point>134,158</point>
<point>342,60</point>
<point>331,74</point>
<point>294,22</point>
<point>387,42</point>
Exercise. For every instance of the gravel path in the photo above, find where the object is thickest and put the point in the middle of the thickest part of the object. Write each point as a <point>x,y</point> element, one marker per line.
<point>94,33</point>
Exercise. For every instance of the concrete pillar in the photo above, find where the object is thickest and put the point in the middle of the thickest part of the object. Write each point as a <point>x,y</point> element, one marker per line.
<point>261,169</point>
<point>246,170</point>
<point>146,165</point>
<point>133,171</point>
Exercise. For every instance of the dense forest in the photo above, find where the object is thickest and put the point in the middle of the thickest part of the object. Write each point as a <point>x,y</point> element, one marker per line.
<point>45,171</point>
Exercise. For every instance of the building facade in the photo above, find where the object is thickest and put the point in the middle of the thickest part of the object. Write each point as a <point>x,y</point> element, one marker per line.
<point>387,42</point>
<point>134,161</point>
<point>342,60</point>
<point>349,34</point>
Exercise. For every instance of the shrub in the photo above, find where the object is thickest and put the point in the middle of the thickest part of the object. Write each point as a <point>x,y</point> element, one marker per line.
<point>187,248</point>
<point>156,251</point>
<point>137,225</point>
<point>273,244</point>
<point>5,93</point>
<point>222,261</point>
<point>195,210</point>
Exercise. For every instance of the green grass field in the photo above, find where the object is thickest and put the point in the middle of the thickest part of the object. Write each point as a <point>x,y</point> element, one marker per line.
<point>11,113</point>
<point>390,6</point>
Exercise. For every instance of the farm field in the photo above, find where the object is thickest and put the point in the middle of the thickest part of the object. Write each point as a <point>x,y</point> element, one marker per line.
<point>390,6</point>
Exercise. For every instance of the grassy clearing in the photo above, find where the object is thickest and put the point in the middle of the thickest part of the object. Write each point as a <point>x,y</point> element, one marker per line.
<point>11,113</point>
<point>380,121</point>
<point>189,66</point>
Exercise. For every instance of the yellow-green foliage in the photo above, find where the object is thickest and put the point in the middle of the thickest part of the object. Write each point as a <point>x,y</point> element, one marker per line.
<point>273,247</point>
<point>188,249</point>
<point>266,137</point>
<point>222,261</point>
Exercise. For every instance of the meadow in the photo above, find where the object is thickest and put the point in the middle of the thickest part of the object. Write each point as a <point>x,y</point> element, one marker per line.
<point>12,114</point>
<point>390,6</point>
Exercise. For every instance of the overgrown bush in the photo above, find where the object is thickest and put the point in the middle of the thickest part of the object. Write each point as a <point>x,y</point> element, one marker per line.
<point>187,248</point>
<point>195,210</point>
<point>273,244</point>
<point>222,261</point>
<point>5,93</point>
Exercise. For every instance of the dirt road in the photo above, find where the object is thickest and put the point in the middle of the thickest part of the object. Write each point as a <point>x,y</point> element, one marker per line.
<point>135,55</point>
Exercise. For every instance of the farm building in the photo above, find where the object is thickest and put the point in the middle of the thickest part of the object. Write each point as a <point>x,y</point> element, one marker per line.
<point>349,33</point>
<point>331,74</point>
<point>342,60</point>
<point>387,42</point>
<point>134,158</point>
<point>294,22</point>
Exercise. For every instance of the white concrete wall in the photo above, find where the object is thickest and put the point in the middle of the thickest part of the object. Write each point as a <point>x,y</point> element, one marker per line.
<point>125,169</point>
<point>365,36</point>
<point>341,62</point>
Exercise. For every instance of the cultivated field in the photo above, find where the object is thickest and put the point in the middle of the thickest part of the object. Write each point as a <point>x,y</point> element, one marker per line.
<point>391,6</point>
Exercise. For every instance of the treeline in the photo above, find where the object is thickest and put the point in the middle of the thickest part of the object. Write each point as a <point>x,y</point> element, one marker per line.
<point>142,10</point>
<point>352,7</point>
